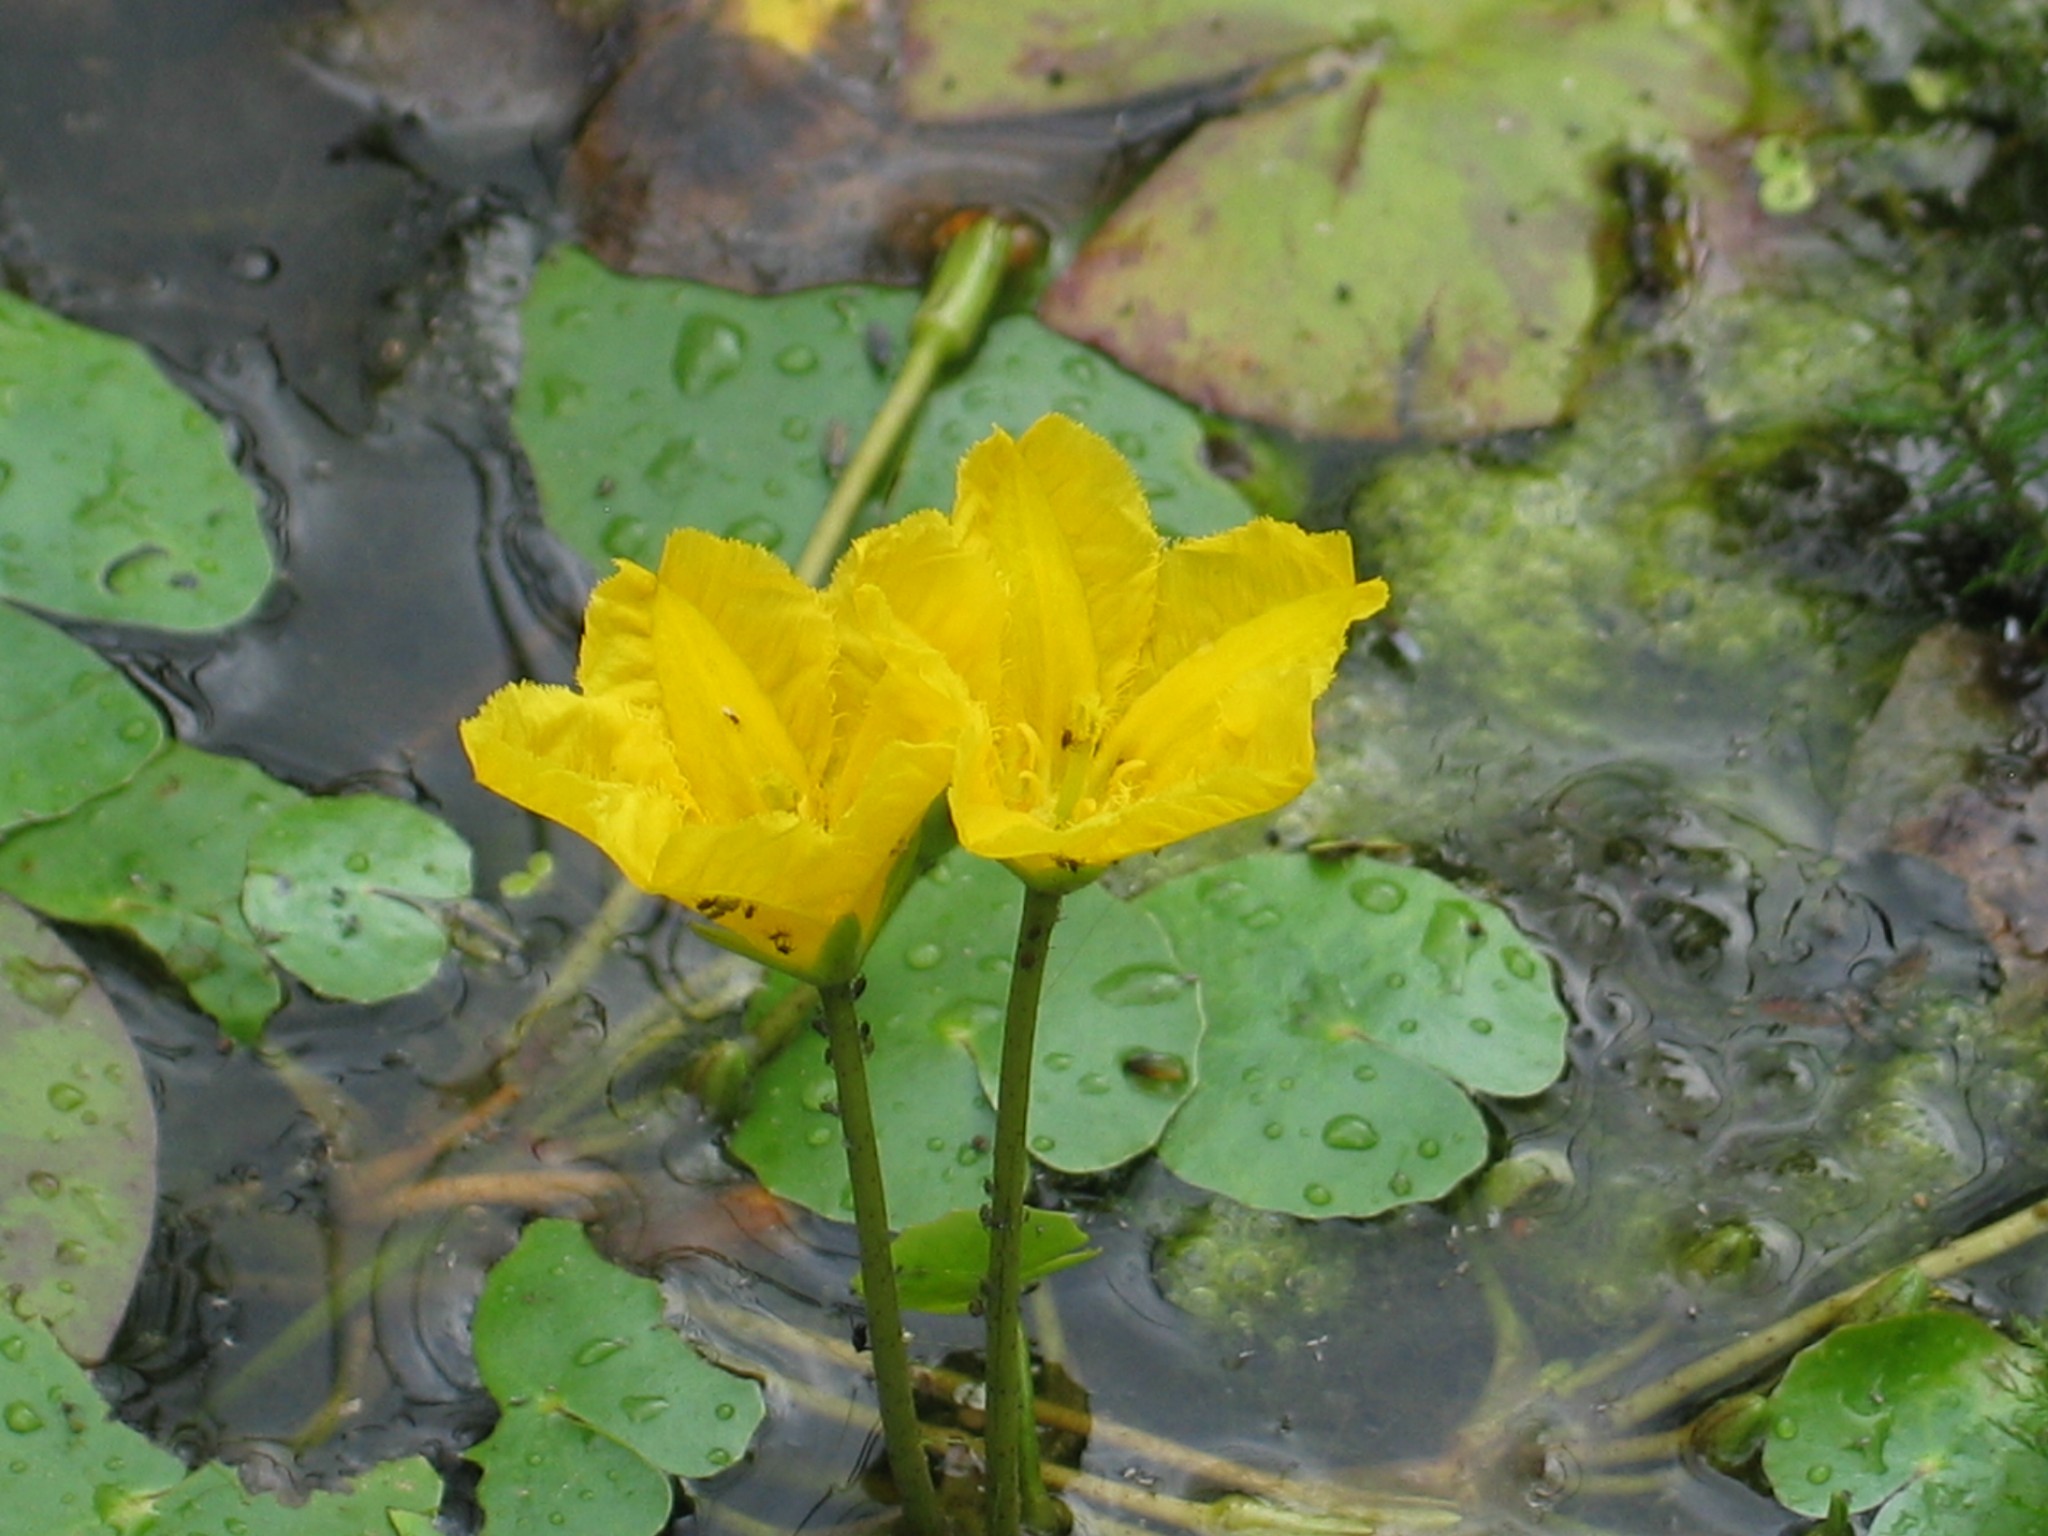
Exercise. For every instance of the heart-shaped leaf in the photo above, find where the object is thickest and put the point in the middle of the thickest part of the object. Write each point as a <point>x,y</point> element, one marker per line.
<point>1350,1004</point>
<point>344,893</point>
<point>940,1264</point>
<point>71,726</point>
<point>563,1336</point>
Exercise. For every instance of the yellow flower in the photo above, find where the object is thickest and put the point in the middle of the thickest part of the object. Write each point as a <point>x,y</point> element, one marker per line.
<point>736,747</point>
<point>1126,693</point>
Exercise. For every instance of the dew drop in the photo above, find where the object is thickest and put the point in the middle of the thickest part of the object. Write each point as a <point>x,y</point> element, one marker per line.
<point>1820,1473</point>
<point>1453,936</point>
<point>1259,919</point>
<point>14,1347</point>
<point>1520,963</point>
<point>756,529</point>
<point>1378,896</point>
<point>1429,1147</point>
<point>253,264</point>
<point>1095,1084</point>
<point>1365,1073</point>
<point>644,1409</point>
<point>724,1411</point>
<point>923,957</point>
<point>598,1349</point>
<point>1350,1133</point>
<point>1081,370</point>
<point>718,1456</point>
<point>796,428</point>
<point>624,537</point>
<point>135,730</point>
<point>65,1097</point>
<point>1058,1061</point>
<point>935,1143</point>
<point>968,1155</point>
<point>1316,1194</point>
<point>1042,1143</point>
<point>708,352</point>
<point>45,1185</point>
<point>1137,986</point>
<point>1394,981</point>
<point>1274,1130</point>
<point>357,863</point>
<point>818,1136</point>
<point>1482,1026</point>
<point>819,1094</point>
<point>1401,1185</point>
<point>1409,1026</point>
<point>21,1418</point>
<point>797,360</point>
<point>72,1253</point>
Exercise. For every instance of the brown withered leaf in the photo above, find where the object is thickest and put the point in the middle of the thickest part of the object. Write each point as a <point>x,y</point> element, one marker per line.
<point>727,159</point>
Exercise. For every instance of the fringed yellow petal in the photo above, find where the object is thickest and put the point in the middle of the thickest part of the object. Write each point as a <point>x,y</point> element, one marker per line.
<point>1171,726</point>
<point>618,639</point>
<point>601,768</point>
<point>1209,586</point>
<point>1099,507</point>
<point>776,623</point>
<point>944,593</point>
<point>1053,681</point>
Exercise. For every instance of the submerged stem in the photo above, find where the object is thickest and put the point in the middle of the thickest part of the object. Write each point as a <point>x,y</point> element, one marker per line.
<point>1788,1334</point>
<point>945,328</point>
<point>1008,1423</point>
<point>901,1434</point>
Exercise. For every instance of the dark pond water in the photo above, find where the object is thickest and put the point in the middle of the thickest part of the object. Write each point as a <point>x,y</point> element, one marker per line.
<point>1790,1064</point>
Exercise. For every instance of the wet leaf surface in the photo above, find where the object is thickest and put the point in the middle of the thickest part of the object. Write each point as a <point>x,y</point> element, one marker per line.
<point>345,893</point>
<point>1350,1006</point>
<point>118,498</point>
<point>70,1470</point>
<point>164,857</point>
<point>1411,246</point>
<point>592,1379</point>
<point>71,726</point>
<point>650,405</point>
<point>1930,1414</point>
<point>77,1142</point>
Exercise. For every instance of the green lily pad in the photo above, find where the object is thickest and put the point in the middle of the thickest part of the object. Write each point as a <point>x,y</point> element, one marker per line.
<point>77,1142</point>
<point>1350,1005</point>
<point>117,496</point>
<point>1934,1415</point>
<point>1118,1027</point>
<point>164,857</point>
<point>648,405</point>
<point>1409,246</point>
<point>72,1471</point>
<point>561,1335</point>
<point>940,1264</point>
<point>71,726</point>
<point>343,892</point>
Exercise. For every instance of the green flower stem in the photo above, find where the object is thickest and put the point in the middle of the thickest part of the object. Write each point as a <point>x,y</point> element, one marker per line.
<point>1008,1422</point>
<point>1036,1505</point>
<point>944,329</point>
<point>901,1434</point>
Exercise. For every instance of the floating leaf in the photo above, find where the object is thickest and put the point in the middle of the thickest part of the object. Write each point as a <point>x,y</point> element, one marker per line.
<point>1118,1029</point>
<point>71,726</point>
<point>1403,239</point>
<point>1925,1411</point>
<point>1349,1005</point>
<point>648,405</point>
<point>77,1142</point>
<point>117,496</point>
<point>71,1471</point>
<point>563,1336</point>
<point>164,857</point>
<point>343,892</point>
<point>940,1264</point>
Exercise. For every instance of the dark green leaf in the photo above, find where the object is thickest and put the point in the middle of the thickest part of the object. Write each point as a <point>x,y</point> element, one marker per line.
<point>345,892</point>
<point>71,726</point>
<point>164,857</point>
<point>117,497</point>
<point>561,1332</point>
<point>1349,1004</point>
<point>77,1142</point>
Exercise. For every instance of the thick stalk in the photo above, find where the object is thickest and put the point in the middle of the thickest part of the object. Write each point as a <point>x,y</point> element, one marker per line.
<point>901,1435</point>
<point>944,329</point>
<point>1008,1421</point>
